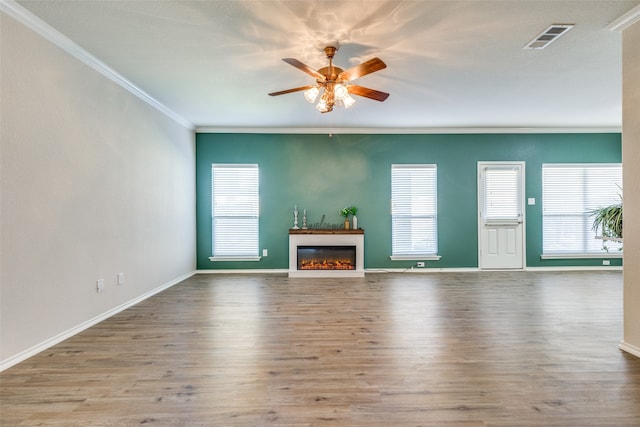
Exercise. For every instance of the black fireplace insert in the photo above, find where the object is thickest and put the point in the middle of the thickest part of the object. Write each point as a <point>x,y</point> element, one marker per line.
<point>326,257</point>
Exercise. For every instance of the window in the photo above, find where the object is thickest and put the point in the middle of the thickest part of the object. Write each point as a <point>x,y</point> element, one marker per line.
<point>502,193</point>
<point>569,193</point>
<point>414,213</point>
<point>235,212</point>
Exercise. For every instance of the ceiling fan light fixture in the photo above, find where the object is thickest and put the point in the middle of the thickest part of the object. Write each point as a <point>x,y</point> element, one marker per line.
<point>335,83</point>
<point>341,91</point>
<point>311,94</point>
<point>348,101</point>
<point>322,106</point>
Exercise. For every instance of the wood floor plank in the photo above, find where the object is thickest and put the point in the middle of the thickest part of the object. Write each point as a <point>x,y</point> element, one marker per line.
<point>445,349</point>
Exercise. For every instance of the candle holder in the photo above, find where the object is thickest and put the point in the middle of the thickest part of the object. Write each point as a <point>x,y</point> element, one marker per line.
<point>295,218</point>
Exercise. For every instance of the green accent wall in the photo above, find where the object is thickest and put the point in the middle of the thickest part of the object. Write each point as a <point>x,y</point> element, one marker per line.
<point>323,173</point>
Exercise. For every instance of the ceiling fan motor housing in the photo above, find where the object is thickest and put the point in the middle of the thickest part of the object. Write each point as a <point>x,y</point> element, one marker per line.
<point>331,74</point>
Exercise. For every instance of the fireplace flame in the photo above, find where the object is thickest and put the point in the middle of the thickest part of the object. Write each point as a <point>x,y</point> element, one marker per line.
<point>326,264</point>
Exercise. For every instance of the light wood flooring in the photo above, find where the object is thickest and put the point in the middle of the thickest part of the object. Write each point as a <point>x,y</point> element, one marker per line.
<point>440,349</point>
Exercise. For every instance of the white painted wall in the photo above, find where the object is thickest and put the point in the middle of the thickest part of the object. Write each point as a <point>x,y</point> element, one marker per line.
<point>631,182</point>
<point>94,182</point>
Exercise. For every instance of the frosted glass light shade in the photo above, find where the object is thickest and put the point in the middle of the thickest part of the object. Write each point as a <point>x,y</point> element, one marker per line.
<point>311,94</point>
<point>348,101</point>
<point>340,91</point>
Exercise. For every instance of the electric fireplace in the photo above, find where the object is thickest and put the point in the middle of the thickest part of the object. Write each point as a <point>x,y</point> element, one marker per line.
<point>326,253</point>
<point>326,257</point>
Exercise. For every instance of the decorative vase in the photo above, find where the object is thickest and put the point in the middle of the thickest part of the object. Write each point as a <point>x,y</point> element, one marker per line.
<point>354,222</point>
<point>346,223</point>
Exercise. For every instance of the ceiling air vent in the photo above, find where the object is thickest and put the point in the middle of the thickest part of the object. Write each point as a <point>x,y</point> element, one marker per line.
<point>548,36</point>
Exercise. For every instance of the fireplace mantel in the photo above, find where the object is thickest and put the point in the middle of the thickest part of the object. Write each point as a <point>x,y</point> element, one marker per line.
<point>326,237</point>
<point>324,231</point>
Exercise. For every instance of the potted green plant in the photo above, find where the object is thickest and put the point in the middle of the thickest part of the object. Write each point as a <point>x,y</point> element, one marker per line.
<point>345,212</point>
<point>607,222</point>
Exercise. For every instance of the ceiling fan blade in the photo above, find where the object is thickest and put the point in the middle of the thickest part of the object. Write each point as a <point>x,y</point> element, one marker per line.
<point>295,89</point>
<point>363,69</point>
<point>368,93</point>
<point>304,67</point>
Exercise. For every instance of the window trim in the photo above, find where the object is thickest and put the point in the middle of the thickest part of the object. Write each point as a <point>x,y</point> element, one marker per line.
<point>616,254</point>
<point>234,258</point>
<point>418,257</point>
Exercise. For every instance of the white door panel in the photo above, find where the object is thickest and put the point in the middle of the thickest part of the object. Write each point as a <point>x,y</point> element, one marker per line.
<point>492,242</point>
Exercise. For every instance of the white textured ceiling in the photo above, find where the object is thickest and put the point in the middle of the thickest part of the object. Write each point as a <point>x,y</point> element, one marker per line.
<point>450,64</point>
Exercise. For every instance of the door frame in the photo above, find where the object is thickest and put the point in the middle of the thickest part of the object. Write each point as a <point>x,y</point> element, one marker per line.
<point>481,164</point>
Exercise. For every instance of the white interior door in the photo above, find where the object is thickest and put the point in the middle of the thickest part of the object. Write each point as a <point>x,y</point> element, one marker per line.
<point>501,215</point>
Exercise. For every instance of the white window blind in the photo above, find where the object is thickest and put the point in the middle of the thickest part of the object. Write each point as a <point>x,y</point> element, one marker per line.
<point>414,210</point>
<point>502,193</point>
<point>235,211</point>
<point>569,193</point>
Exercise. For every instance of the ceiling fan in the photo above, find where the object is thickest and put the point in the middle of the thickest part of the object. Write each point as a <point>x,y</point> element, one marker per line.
<point>334,82</point>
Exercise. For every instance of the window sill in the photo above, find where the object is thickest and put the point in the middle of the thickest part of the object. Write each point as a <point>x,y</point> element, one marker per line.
<point>429,257</point>
<point>582,256</point>
<point>234,258</point>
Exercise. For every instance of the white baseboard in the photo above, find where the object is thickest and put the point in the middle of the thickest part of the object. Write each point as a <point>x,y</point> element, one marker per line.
<point>245,271</point>
<point>631,349</point>
<point>419,270</point>
<point>370,270</point>
<point>578,268</point>
<point>24,355</point>
<point>367,270</point>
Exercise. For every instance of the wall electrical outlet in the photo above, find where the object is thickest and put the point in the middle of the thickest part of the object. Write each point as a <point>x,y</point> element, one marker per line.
<point>265,252</point>
<point>420,264</point>
<point>120,278</point>
<point>606,262</point>
<point>100,285</point>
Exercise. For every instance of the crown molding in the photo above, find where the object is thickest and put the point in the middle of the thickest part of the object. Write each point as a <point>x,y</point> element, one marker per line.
<point>625,21</point>
<point>411,131</point>
<point>31,21</point>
